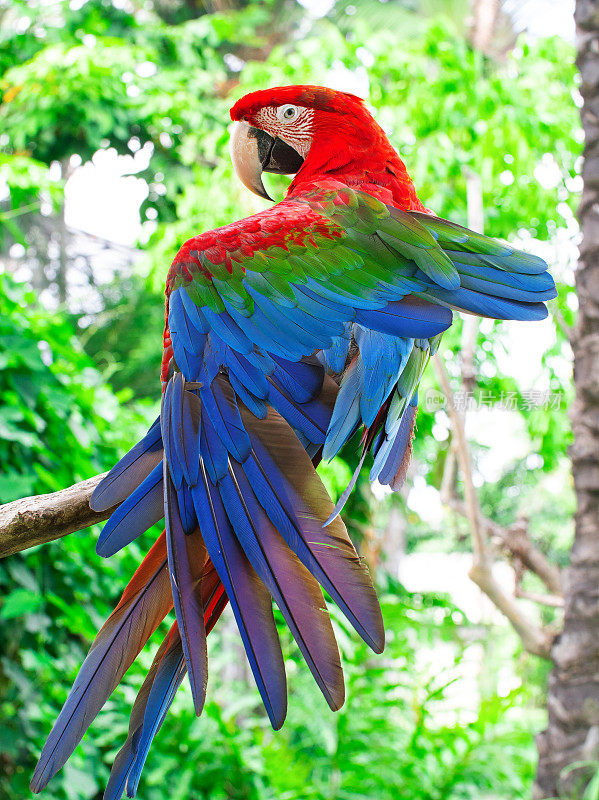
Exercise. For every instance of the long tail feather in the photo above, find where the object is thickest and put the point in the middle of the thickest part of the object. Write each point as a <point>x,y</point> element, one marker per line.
<point>186,555</point>
<point>144,604</point>
<point>127,754</point>
<point>169,676</point>
<point>293,496</point>
<point>249,599</point>
<point>294,589</point>
<point>164,677</point>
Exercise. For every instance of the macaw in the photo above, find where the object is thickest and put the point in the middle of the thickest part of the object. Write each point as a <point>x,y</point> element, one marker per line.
<point>349,280</point>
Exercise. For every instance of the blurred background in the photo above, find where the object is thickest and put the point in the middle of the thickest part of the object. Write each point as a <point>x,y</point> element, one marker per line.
<point>113,151</point>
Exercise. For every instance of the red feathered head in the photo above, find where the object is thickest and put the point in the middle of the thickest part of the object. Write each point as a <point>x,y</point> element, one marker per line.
<point>312,132</point>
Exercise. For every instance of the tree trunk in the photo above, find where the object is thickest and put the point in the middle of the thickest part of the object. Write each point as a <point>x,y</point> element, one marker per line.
<point>572,734</point>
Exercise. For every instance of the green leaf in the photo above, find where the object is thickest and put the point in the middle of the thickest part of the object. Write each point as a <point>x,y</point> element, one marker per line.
<point>19,602</point>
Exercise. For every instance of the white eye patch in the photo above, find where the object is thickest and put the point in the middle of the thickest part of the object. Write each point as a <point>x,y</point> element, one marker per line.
<point>287,113</point>
<point>293,124</point>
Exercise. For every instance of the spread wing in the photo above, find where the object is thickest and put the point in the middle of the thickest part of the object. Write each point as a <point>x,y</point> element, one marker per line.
<point>287,280</point>
<point>314,273</point>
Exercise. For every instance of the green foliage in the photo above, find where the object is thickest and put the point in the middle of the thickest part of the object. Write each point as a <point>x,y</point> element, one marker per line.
<point>51,397</point>
<point>59,423</point>
<point>25,183</point>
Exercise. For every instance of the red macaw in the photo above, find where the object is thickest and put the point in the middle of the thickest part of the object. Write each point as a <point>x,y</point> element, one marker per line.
<point>348,276</point>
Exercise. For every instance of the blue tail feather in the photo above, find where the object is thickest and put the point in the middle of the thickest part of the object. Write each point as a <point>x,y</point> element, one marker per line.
<point>168,679</point>
<point>188,606</point>
<point>130,471</point>
<point>249,600</point>
<point>142,509</point>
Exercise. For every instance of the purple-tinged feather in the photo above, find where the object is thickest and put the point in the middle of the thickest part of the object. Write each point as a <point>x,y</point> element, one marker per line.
<point>186,555</point>
<point>250,601</point>
<point>294,589</point>
<point>327,553</point>
<point>144,604</point>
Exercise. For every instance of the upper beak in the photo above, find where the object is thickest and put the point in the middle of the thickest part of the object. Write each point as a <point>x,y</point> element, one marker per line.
<point>253,151</point>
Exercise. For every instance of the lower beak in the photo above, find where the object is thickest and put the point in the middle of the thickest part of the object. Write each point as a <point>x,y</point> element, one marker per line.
<point>253,151</point>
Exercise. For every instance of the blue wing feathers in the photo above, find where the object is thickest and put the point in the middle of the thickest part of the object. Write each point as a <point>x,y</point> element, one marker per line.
<point>252,376</point>
<point>408,318</point>
<point>228,331</point>
<point>296,414</point>
<point>214,453</point>
<point>488,306</point>
<point>346,414</point>
<point>508,291</point>
<point>319,307</point>
<point>256,405</point>
<point>302,380</point>
<point>193,312</point>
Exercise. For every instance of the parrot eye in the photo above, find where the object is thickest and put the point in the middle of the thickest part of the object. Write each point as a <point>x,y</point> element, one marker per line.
<point>287,113</point>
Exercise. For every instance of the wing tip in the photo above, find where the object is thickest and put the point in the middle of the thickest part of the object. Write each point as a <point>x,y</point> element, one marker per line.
<point>448,280</point>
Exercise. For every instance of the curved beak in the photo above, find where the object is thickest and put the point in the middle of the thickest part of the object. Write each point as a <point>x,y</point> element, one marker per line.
<point>253,151</point>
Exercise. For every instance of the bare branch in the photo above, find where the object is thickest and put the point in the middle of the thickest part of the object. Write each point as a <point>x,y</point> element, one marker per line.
<point>552,600</point>
<point>535,639</point>
<point>479,544</point>
<point>449,476</point>
<point>567,330</point>
<point>43,518</point>
<point>516,541</point>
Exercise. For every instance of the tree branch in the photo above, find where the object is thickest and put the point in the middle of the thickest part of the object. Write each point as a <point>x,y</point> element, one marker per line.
<point>567,330</point>
<point>43,518</point>
<point>553,600</point>
<point>516,541</point>
<point>534,638</point>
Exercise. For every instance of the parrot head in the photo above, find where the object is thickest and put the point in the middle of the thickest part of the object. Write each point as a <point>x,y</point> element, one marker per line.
<point>291,128</point>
